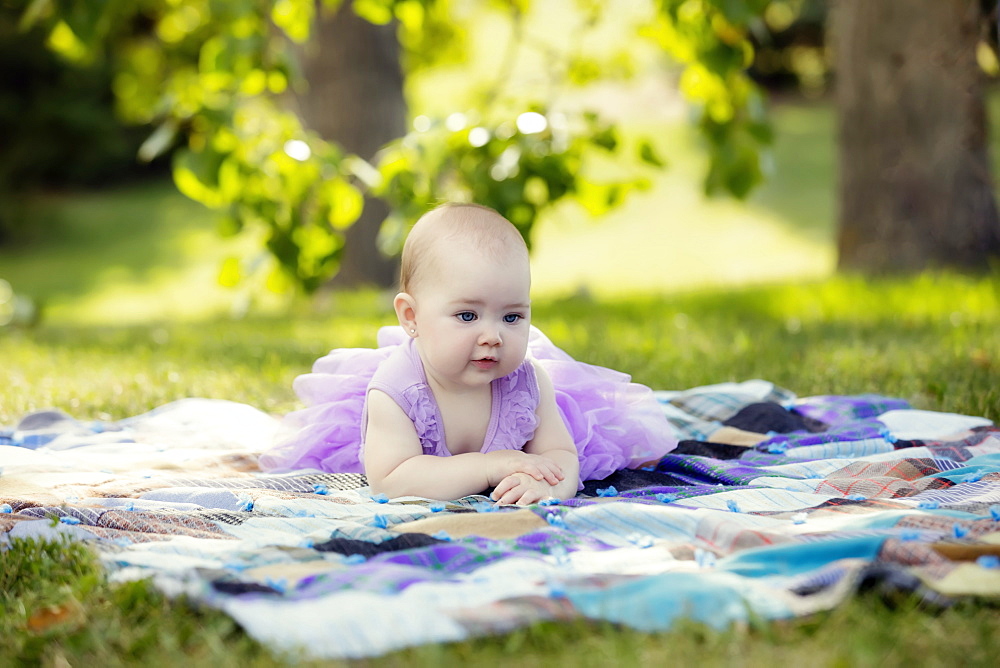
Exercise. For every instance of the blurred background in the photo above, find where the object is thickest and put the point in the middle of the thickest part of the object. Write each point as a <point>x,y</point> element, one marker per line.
<point>173,160</point>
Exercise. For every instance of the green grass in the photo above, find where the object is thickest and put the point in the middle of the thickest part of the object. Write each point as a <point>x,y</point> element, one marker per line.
<point>57,608</point>
<point>99,256</point>
<point>931,339</point>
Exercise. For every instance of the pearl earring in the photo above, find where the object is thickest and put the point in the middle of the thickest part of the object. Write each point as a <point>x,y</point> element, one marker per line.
<point>412,331</point>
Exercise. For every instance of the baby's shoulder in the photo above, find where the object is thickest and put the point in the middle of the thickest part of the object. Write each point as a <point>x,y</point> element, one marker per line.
<point>398,368</point>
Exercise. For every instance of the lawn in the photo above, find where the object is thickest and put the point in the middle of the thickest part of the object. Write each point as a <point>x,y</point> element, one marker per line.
<point>931,339</point>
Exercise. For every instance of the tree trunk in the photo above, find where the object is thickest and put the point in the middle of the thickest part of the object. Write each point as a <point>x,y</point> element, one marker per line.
<point>915,185</point>
<point>355,97</point>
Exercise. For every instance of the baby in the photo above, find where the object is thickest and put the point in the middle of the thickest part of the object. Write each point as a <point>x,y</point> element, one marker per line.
<point>466,396</point>
<point>465,303</point>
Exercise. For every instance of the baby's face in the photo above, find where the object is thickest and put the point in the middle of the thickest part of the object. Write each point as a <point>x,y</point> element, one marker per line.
<point>473,314</point>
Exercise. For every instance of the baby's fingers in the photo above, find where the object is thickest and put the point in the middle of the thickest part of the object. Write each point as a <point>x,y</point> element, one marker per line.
<point>540,468</point>
<point>532,496</point>
<point>552,472</point>
<point>512,495</point>
<point>522,496</point>
<point>507,484</point>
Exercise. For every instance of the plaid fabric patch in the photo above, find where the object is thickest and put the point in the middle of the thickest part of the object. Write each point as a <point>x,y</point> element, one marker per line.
<point>983,491</point>
<point>686,426</point>
<point>876,487</point>
<point>707,470</point>
<point>838,410</point>
<point>721,402</point>
<point>905,469</point>
<point>857,431</point>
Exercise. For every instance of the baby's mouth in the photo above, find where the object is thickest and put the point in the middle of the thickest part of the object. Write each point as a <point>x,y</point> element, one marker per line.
<point>486,362</point>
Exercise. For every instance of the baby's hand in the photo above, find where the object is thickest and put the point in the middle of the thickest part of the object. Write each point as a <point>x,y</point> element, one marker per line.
<point>521,489</point>
<point>502,463</point>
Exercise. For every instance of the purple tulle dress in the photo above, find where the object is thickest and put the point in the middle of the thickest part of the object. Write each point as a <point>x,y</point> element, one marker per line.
<point>615,423</point>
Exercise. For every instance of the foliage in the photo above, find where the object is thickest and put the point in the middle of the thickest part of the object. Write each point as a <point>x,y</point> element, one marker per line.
<point>711,39</point>
<point>207,73</point>
<point>57,125</point>
<point>518,167</point>
<point>517,156</point>
<point>212,75</point>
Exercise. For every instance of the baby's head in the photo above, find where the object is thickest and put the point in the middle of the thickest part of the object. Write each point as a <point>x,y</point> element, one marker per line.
<point>460,228</point>
<point>465,295</point>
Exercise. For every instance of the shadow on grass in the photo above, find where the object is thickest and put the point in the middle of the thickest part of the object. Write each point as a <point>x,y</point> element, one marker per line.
<point>801,189</point>
<point>124,234</point>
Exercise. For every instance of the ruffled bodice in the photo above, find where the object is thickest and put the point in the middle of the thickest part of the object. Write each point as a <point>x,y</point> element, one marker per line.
<point>512,414</point>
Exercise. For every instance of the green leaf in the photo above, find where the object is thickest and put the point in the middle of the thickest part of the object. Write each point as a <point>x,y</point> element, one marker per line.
<point>606,138</point>
<point>583,71</point>
<point>86,19</point>
<point>315,243</point>
<point>67,43</point>
<point>196,174</point>
<point>648,154</point>
<point>378,12</point>
<point>345,201</point>
<point>735,11</point>
<point>230,274</point>
<point>411,15</point>
<point>295,17</point>
<point>279,281</point>
<point>230,225</point>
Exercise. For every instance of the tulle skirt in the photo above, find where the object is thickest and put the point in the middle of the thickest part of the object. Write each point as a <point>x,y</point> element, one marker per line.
<point>615,423</point>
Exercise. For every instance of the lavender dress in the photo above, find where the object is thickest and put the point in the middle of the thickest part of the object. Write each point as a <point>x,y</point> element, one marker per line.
<point>615,423</point>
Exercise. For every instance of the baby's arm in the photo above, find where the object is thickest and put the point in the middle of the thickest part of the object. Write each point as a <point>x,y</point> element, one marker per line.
<point>551,441</point>
<point>396,465</point>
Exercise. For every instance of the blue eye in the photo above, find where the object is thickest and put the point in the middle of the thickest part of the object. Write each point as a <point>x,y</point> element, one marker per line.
<point>511,318</point>
<point>466,316</point>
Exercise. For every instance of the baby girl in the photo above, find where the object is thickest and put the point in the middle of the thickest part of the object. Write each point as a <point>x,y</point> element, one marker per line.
<point>465,395</point>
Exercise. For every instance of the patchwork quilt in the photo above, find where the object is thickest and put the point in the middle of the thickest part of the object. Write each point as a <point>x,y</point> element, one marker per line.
<point>772,507</point>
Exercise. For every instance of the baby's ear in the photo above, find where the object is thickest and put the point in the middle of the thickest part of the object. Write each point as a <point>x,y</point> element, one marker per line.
<point>406,312</point>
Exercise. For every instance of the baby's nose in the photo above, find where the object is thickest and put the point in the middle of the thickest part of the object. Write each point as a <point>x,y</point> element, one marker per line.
<point>491,336</point>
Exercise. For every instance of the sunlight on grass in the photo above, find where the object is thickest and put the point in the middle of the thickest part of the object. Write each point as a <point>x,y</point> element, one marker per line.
<point>132,254</point>
<point>930,296</point>
<point>189,291</point>
<point>930,339</point>
<point>672,239</point>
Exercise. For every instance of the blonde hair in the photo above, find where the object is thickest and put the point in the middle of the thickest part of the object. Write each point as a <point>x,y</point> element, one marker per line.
<point>480,226</point>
